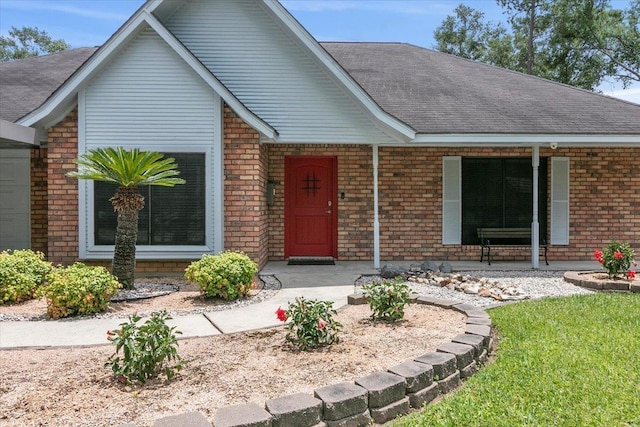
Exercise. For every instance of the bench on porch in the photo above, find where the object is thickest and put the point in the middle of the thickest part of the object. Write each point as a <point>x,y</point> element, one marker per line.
<point>502,236</point>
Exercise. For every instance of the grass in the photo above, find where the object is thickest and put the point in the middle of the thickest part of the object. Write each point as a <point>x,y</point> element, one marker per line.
<point>571,361</point>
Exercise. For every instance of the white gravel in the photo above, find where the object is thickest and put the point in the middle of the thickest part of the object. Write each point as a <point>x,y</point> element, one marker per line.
<point>534,284</point>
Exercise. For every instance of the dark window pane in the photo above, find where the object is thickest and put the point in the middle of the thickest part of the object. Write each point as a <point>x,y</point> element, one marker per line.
<point>171,216</point>
<point>497,192</point>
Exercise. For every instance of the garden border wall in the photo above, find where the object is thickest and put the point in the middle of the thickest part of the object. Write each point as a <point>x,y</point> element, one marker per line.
<point>378,397</point>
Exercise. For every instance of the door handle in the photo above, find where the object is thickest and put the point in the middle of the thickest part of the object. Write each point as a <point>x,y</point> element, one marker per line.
<point>329,211</point>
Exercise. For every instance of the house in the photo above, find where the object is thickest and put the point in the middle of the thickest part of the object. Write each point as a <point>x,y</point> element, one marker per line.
<point>291,147</point>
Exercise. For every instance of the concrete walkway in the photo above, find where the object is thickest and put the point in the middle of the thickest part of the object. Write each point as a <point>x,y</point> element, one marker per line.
<point>333,283</point>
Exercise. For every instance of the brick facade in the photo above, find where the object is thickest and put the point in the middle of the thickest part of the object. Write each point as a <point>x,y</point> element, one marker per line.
<point>603,198</point>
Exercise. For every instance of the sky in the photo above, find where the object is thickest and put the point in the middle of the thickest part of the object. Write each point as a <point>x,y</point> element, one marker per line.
<point>91,22</point>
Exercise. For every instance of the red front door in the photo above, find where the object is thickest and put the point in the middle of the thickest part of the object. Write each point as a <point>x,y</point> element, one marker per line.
<point>310,214</point>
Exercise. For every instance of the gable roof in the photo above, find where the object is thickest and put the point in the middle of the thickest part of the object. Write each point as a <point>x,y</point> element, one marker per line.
<point>438,93</point>
<point>27,83</point>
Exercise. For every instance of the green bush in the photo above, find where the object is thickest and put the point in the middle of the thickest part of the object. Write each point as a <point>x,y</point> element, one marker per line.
<point>78,289</point>
<point>387,299</point>
<point>21,273</point>
<point>147,350</point>
<point>311,323</point>
<point>616,258</point>
<point>228,275</point>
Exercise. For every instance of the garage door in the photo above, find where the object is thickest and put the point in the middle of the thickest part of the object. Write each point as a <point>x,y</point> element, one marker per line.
<point>14,199</point>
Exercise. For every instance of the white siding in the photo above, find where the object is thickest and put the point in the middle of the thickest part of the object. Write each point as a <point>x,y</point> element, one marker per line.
<point>148,95</point>
<point>270,73</point>
<point>559,200</point>
<point>451,200</point>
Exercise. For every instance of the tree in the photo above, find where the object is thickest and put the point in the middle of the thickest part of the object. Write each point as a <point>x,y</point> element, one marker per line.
<point>467,35</point>
<point>129,169</point>
<point>28,41</point>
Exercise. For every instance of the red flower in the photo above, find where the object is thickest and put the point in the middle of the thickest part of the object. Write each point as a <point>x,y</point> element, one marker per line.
<point>598,255</point>
<point>281,314</point>
<point>618,255</point>
<point>631,274</point>
<point>321,324</point>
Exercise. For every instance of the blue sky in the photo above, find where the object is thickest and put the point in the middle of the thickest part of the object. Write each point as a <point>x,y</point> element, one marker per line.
<point>92,22</point>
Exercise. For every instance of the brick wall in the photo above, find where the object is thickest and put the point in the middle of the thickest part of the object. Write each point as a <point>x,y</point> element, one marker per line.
<point>245,180</point>
<point>62,192</point>
<point>39,200</point>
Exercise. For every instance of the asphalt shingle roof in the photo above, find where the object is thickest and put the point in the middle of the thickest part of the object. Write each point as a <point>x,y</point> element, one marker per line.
<point>439,93</point>
<point>433,92</point>
<point>27,83</point>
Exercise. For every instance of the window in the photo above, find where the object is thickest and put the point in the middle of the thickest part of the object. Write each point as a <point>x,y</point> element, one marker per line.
<point>172,216</point>
<point>498,192</point>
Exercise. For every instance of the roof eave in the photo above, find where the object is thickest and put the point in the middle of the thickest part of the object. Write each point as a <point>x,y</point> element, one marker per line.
<point>13,134</point>
<point>515,140</point>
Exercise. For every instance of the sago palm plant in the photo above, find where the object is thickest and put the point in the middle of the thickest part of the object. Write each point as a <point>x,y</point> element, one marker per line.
<point>128,169</point>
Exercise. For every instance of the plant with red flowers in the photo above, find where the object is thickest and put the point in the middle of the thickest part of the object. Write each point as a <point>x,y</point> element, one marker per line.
<point>311,323</point>
<point>617,259</point>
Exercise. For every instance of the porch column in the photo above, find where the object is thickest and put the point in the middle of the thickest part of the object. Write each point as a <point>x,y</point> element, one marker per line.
<point>535,225</point>
<point>376,221</point>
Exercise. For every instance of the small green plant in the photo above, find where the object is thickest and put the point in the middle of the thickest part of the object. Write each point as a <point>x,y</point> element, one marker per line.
<point>311,323</point>
<point>387,299</point>
<point>21,273</point>
<point>147,350</point>
<point>617,259</point>
<point>228,275</point>
<point>78,289</point>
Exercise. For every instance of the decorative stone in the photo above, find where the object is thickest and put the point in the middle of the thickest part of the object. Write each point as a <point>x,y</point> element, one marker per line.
<point>464,308</point>
<point>464,353</point>
<point>417,375</point>
<point>429,266</point>
<point>356,299</point>
<point>469,370</point>
<point>426,395</point>
<point>478,321</point>
<point>248,415</point>
<point>391,271</point>
<point>391,411</point>
<point>190,419</point>
<point>443,364</point>
<point>482,330</point>
<point>484,357</point>
<point>300,410</point>
<point>450,383</point>
<point>445,267</point>
<point>342,400</point>
<point>383,387</point>
<point>358,420</point>
<point>634,287</point>
<point>444,303</point>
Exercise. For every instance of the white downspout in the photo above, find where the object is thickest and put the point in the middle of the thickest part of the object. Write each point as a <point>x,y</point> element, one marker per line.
<point>376,220</point>
<point>535,225</point>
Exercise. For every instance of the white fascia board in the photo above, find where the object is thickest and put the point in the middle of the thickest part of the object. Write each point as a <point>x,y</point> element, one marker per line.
<point>390,124</point>
<point>514,140</point>
<point>253,120</point>
<point>69,89</point>
<point>14,133</point>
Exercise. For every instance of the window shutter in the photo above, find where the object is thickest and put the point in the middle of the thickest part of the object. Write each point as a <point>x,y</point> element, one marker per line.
<point>451,200</point>
<point>559,200</point>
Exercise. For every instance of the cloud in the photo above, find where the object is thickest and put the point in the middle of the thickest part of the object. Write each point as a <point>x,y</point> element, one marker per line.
<point>51,6</point>
<point>632,94</point>
<point>408,7</point>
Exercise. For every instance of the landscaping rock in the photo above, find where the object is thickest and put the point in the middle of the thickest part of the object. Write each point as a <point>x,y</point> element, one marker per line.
<point>190,419</point>
<point>478,321</point>
<point>469,370</point>
<point>383,387</point>
<point>464,353</point>
<point>391,271</point>
<point>484,356</point>
<point>359,420</point>
<point>429,266</point>
<point>300,410</point>
<point>444,364</point>
<point>426,395</point>
<point>482,330</point>
<point>445,267</point>
<point>391,411</point>
<point>417,375</point>
<point>342,400</point>
<point>248,415</point>
<point>444,303</point>
<point>449,384</point>
<point>634,287</point>
<point>356,299</point>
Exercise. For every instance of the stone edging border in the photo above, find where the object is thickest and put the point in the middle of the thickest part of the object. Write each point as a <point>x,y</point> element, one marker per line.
<point>379,397</point>
<point>575,278</point>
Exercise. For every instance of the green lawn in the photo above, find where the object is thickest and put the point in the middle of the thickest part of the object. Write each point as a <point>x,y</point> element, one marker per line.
<point>571,361</point>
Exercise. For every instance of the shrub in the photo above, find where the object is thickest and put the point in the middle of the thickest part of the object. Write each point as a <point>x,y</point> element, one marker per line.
<point>148,350</point>
<point>21,273</point>
<point>311,323</point>
<point>616,258</point>
<point>228,275</point>
<point>78,289</point>
<point>387,299</point>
